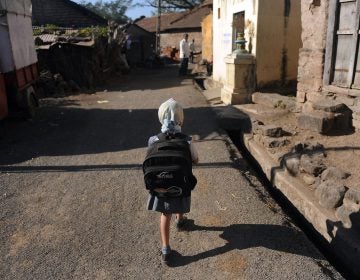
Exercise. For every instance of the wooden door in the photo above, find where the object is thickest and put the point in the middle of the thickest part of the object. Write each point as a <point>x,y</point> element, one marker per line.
<point>346,69</point>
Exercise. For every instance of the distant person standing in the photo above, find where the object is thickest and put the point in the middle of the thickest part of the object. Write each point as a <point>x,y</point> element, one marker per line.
<point>184,55</point>
<point>192,50</point>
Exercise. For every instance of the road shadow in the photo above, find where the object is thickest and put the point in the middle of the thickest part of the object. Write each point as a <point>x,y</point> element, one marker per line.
<point>146,79</point>
<point>65,129</point>
<point>345,241</point>
<point>245,236</point>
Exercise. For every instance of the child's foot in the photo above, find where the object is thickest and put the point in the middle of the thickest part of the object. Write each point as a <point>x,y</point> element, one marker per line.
<point>165,254</point>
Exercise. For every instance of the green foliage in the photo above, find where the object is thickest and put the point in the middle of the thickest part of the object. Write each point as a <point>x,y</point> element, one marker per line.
<point>97,32</point>
<point>50,28</point>
<point>173,5</point>
<point>112,10</point>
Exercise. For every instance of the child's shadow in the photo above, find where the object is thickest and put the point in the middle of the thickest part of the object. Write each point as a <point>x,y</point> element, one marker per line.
<point>243,236</point>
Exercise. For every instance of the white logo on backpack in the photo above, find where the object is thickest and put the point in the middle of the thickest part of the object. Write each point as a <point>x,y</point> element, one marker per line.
<point>165,175</point>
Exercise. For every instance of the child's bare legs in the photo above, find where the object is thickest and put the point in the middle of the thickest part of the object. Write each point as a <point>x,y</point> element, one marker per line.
<point>165,220</point>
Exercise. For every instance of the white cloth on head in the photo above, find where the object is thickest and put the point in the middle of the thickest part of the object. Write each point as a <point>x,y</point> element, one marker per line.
<point>171,110</point>
<point>184,49</point>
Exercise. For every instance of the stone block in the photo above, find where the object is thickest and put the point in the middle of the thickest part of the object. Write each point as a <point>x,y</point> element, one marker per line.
<point>352,199</point>
<point>308,179</point>
<point>356,124</point>
<point>345,100</point>
<point>301,97</point>
<point>317,121</point>
<point>356,115</point>
<point>271,142</point>
<point>342,121</point>
<point>328,105</point>
<point>330,194</point>
<point>271,130</point>
<point>343,214</point>
<point>333,173</point>
<point>312,165</point>
<point>292,164</point>
<point>235,96</point>
<point>314,94</point>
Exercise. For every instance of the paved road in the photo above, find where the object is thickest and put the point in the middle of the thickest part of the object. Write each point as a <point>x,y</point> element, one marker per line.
<point>72,200</point>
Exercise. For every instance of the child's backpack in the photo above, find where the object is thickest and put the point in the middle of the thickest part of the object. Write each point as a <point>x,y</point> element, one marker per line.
<point>168,165</point>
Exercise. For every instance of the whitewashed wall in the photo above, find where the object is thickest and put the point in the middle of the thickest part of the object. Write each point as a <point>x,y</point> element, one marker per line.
<point>223,30</point>
<point>274,29</point>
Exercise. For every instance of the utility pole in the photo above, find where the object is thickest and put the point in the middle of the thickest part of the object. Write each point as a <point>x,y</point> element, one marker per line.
<point>158,28</point>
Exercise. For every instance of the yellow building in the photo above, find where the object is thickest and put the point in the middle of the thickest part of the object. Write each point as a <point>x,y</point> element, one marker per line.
<point>272,29</point>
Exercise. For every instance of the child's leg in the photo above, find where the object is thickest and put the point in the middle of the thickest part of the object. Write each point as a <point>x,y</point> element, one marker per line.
<point>165,229</point>
<point>179,216</point>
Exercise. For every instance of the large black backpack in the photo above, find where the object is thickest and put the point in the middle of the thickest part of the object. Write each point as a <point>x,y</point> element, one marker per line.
<point>168,164</point>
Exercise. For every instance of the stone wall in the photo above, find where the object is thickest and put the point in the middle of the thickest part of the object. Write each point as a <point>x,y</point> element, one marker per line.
<point>311,90</point>
<point>314,15</point>
<point>173,39</point>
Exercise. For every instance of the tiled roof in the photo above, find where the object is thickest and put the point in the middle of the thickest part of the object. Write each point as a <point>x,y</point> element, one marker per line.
<point>149,23</point>
<point>64,13</point>
<point>172,21</point>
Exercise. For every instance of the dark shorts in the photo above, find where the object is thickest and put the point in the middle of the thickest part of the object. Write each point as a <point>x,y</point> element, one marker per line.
<point>171,205</point>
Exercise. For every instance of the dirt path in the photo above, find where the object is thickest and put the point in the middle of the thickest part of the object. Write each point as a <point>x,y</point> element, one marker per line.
<point>72,200</point>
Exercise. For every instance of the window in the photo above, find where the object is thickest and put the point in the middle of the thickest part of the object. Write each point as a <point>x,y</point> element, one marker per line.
<point>238,25</point>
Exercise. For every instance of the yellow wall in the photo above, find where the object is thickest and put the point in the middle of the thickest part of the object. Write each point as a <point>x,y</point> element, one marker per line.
<point>275,38</point>
<point>278,42</point>
<point>207,38</point>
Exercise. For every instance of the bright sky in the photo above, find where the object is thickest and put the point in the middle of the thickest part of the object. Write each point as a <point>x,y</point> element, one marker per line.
<point>132,13</point>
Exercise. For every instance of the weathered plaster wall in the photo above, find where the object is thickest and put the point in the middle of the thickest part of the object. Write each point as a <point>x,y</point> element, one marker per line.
<point>173,39</point>
<point>273,32</point>
<point>207,38</point>
<point>311,58</point>
<point>223,11</point>
<point>278,41</point>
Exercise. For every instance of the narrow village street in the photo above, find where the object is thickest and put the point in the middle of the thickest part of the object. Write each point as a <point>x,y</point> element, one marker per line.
<point>73,201</point>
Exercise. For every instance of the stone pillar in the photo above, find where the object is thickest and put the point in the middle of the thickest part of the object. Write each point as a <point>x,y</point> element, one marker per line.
<point>240,79</point>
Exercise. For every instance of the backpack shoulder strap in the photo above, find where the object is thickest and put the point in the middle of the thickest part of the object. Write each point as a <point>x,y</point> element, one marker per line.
<point>162,136</point>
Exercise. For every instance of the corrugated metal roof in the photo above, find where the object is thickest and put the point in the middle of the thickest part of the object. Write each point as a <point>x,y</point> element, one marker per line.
<point>64,13</point>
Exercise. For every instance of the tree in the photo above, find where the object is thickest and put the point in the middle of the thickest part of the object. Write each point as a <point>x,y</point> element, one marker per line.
<point>173,5</point>
<point>112,10</point>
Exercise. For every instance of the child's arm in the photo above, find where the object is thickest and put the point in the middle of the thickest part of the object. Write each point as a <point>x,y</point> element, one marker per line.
<point>194,153</point>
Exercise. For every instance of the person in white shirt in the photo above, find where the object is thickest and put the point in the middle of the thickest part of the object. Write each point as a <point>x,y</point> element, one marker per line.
<point>192,50</point>
<point>184,55</point>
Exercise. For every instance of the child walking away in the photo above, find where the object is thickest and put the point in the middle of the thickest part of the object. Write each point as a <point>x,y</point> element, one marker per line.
<point>168,172</point>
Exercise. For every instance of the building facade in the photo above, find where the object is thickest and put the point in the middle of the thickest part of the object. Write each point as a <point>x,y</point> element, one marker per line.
<point>329,59</point>
<point>272,29</point>
<point>174,25</point>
